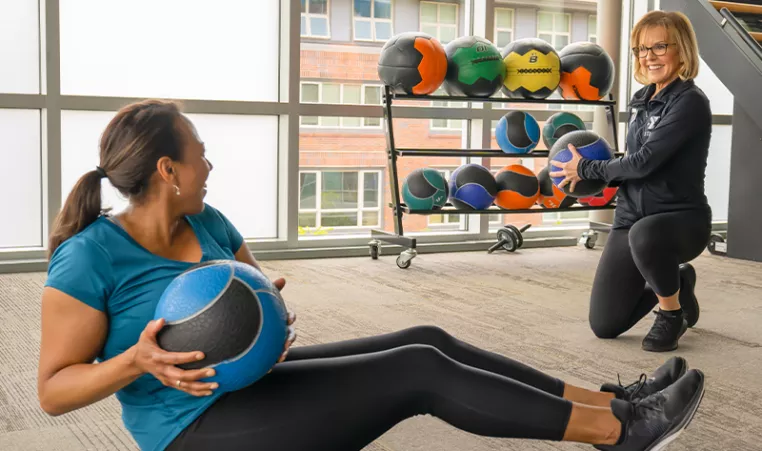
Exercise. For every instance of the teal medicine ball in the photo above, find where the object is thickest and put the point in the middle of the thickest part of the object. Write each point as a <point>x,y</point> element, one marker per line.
<point>425,189</point>
<point>560,124</point>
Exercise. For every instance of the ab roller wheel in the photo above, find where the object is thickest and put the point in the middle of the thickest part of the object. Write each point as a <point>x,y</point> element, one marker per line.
<point>509,238</point>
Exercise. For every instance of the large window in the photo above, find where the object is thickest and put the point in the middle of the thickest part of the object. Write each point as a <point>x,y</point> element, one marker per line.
<point>440,20</point>
<point>341,199</point>
<point>315,23</point>
<point>372,20</point>
<point>226,50</point>
<point>326,92</point>
<point>446,124</point>
<point>554,28</point>
<point>20,47</point>
<point>592,28</point>
<point>503,26</point>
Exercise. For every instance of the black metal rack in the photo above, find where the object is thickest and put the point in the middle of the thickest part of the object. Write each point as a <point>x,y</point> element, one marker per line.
<point>393,153</point>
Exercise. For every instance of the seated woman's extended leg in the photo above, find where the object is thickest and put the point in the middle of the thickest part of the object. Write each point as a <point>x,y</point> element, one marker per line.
<point>344,403</point>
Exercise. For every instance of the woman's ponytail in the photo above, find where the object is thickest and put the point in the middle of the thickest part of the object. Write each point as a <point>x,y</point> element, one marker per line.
<point>82,208</point>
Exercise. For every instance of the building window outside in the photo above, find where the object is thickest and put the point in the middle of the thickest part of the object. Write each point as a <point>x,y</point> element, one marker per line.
<point>554,28</point>
<point>446,124</point>
<point>439,20</point>
<point>339,199</point>
<point>315,19</point>
<point>503,27</point>
<point>340,93</point>
<point>592,28</point>
<point>372,20</point>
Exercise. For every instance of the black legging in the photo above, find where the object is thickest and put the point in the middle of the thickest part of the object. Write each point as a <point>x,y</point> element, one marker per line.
<point>641,262</point>
<point>342,396</point>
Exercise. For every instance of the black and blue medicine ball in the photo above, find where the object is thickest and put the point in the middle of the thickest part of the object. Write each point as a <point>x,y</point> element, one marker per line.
<point>472,187</point>
<point>517,132</point>
<point>590,146</point>
<point>229,311</point>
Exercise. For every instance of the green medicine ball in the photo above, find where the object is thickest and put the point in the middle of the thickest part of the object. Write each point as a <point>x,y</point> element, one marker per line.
<point>558,125</point>
<point>425,189</point>
<point>474,67</point>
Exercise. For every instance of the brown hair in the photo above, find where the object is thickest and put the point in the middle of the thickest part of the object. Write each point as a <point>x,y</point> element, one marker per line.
<point>131,145</point>
<point>680,31</point>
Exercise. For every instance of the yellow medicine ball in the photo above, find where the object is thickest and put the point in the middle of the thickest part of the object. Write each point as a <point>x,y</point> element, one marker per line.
<point>533,69</point>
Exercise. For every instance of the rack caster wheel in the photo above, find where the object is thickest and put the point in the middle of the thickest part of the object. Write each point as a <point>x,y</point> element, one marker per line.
<point>717,245</point>
<point>588,239</point>
<point>405,258</point>
<point>375,249</point>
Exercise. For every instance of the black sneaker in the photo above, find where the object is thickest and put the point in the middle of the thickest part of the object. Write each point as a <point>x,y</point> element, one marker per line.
<point>687,297</point>
<point>664,376</point>
<point>657,420</point>
<point>665,332</point>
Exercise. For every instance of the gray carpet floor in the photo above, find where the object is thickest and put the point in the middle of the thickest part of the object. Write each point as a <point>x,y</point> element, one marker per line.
<point>531,305</point>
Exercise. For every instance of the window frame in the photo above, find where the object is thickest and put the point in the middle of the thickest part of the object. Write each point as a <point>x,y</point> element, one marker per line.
<point>372,21</point>
<point>438,24</point>
<point>498,29</point>
<point>554,33</point>
<point>320,84</point>
<point>307,15</point>
<point>360,210</point>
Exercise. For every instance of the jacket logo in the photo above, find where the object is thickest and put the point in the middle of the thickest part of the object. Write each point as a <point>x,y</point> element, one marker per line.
<point>652,122</point>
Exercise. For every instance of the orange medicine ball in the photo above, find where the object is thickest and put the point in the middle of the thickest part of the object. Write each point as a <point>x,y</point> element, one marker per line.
<point>517,188</point>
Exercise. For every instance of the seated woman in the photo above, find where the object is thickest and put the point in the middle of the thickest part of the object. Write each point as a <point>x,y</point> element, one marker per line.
<point>107,274</point>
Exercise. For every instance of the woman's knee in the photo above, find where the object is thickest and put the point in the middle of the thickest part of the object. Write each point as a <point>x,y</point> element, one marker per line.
<point>604,327</point>
<point>645,242</point>
<point>429,335</point>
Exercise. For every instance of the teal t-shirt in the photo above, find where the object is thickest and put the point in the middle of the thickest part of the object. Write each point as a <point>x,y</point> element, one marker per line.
<point>106,269</point>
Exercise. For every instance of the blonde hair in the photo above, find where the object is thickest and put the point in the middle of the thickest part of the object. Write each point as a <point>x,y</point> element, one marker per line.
<point>680,31</point>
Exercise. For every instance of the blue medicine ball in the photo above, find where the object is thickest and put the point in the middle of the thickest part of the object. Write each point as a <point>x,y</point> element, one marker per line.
<point>229,311</point>
<point>590,146</point>
<point>517,132</point>
<point>472,187</point>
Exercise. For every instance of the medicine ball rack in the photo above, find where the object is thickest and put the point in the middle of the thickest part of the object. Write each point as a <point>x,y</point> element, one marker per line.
<point>506,234</point>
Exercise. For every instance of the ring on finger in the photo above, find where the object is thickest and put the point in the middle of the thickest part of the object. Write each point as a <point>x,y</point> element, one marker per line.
<point>179,383</point>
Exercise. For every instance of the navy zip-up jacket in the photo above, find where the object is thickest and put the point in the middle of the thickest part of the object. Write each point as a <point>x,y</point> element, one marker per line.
<point>666,154</point>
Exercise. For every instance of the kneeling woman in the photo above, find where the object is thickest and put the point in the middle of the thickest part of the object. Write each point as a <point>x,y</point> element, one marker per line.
<point>107,274</point>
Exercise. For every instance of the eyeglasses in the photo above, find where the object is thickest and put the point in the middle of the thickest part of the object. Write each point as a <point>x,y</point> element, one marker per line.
<point>658,49</point>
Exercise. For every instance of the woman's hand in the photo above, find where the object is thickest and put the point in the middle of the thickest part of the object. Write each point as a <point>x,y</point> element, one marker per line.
<point>148,357</point>
<point>568,169</point>
<point>291,336</point>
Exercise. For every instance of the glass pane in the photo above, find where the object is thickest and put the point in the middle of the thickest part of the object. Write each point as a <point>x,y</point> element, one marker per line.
<point>351,95</point>
<point>370,218</point>
<point>331,93</point>
<point>504,38</point>
<point>330,121</point>
<point>304,26</point>
<point>319,6</point>
<point>240,148</point>
<point>196,54</point>
<point>562,23</point>
<point>545,21</point>
<point>456,124</point>
<point>428,12</point>
<point>383,31</point>
<point>310,120</point>
<point>439,123</point>
<point>448,14</point>
<point>307,190</point>
<point>561,41</point>
<point>592,25</point>
<point>718,171</point>
<point>372,121</point>
<point>20,181</point>
<point>720,98</point>
<point>362,8</point>
<point>339,190</point>
<point>319,26</point>
<point>382,9</point>
<point>372,95</point>
<point>338,219</point>
<point>362,29</point>
<point>304,6</point>
<point>307,220</point>
<point>310,92</point>
<point>546,37</point>
<point>370,199</point>
<point>504,18</point>
<point>430,29</point>
<point>20,47</point>
<point>351,122</point>
<point>593,40</point>
<point>447,34</point>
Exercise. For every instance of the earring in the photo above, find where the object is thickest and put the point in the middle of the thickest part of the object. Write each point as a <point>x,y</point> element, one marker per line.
<point>177,190</point>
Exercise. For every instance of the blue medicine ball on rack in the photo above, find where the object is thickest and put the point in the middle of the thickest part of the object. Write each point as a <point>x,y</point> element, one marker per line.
<point>472,187</point>
<point>517,132</point>
<point>229,311</point>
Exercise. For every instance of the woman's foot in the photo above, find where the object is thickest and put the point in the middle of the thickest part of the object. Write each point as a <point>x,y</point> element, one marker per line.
<point>657,420</point>
<point>668,327</point>
<point>664,376</point>
<point>687,297</point>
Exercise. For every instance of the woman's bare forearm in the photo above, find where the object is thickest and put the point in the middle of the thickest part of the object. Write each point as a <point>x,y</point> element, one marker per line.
<point>83,384</point>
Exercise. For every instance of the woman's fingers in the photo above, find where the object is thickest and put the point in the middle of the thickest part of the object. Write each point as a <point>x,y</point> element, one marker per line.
<point>291,318</point>
<point>192,388</point>
<point>174,373</point>
<point>176,358</point>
